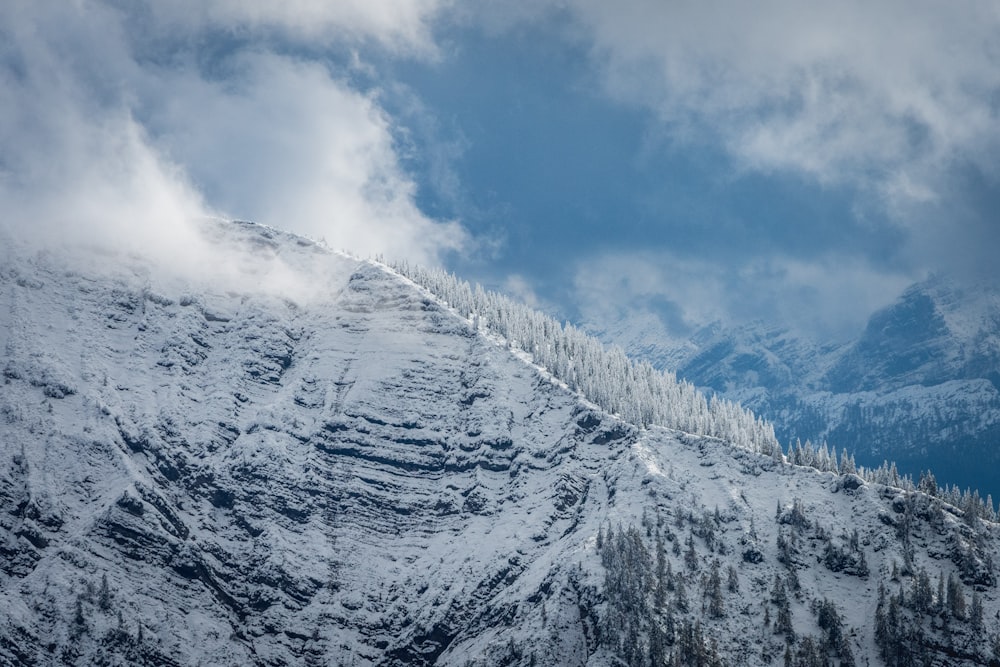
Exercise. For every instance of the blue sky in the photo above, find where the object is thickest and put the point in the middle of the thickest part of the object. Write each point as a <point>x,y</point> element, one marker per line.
<point>794,162</point>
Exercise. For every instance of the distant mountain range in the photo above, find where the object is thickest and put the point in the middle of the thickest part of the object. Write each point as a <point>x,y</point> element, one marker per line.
<point>920,385</point>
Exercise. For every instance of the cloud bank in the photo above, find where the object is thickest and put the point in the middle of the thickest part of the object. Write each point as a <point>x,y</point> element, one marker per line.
<point>887,92</point>
<point>120,122</point>
<point>895,103</point>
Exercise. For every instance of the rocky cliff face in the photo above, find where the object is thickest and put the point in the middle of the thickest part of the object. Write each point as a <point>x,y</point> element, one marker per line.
<point>935,333</point>
<point>199,473</point>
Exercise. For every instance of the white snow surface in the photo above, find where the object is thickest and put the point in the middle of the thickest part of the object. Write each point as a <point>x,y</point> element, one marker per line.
<point>350,474</point>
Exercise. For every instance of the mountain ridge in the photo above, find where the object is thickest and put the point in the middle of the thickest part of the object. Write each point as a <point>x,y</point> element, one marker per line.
<point>196,474</point>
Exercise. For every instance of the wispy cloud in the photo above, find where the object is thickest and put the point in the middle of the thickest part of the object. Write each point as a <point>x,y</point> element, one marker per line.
<point>401,26</point>
<point>673,294</point>
<point>520,288</point>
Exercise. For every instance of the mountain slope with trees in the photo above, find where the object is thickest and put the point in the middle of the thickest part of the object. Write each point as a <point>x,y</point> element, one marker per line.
<point>380,472</point>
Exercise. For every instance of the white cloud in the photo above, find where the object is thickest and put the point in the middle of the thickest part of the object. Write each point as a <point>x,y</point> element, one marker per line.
<point>830,298</point>
<point>73,164</point>
<point>98,143</point>
<point>885,93</point>
<point>898,101</point>
<point>285,144</point>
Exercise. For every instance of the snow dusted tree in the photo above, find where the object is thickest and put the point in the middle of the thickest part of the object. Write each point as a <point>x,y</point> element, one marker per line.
<point>976,614</point>
<point>733,580</point>
<point>928,484</point>
<point>956,598</point>
<point>716,607</point>
<point>104,594</point>
<point>847,465</point>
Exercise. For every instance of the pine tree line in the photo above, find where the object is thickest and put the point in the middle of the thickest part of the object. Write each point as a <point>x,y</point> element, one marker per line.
<point>824,458</point>
<point>634,390</point>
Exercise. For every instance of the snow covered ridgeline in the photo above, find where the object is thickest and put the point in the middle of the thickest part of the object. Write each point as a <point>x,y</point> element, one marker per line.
<point>640,394</point>
<point>632,390</point>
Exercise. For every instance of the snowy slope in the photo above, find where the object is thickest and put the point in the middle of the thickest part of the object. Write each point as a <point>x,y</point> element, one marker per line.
<point>334,468</point>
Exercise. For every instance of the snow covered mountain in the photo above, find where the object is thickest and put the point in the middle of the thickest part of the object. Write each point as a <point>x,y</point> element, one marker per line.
<point>920,386</point>
<point>329,464</point>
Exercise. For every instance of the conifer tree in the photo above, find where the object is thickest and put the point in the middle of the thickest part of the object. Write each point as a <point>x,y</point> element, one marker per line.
<point>881,620</point>
<point>104,594</point>
<point>976,614</point>
<point>691,556</point>
<point>733,581</point>
<point>680,596</point>
<point>715,602</point>
<point>660,592</point>
<point>956,598</point>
